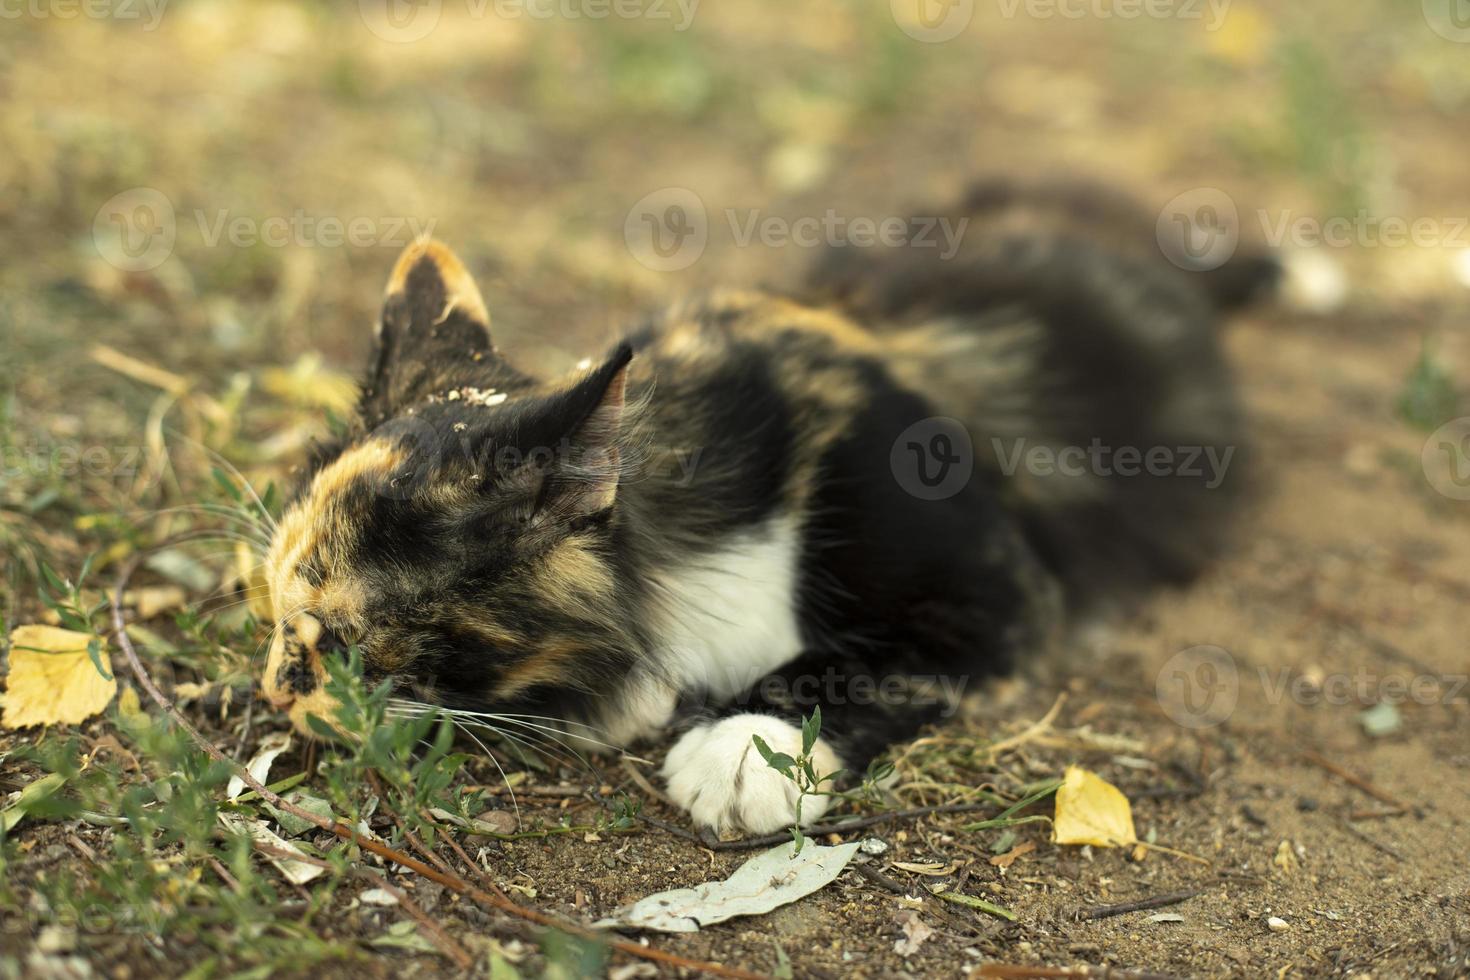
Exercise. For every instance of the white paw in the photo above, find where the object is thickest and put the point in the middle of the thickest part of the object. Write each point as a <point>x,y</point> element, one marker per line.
<point>717,774</point>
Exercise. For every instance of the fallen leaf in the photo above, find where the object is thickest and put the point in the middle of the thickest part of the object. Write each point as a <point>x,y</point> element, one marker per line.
<point>404,935</point>
<point>296,872</point>
<point>492,822</point>
<point>1285,858</point>
<point>377,896</point>
<point>932,869</point>
<point>979,904</point>
<point>915,932</point>
<point>33,794</point>
<point>296,826</point>
<point>54,677</point>
<point>259,765</point>
<point>1091,810</point>
<point>765,882</point>
<point>1009,857</point>
<point>155,599</point>
<point>1381,720</point>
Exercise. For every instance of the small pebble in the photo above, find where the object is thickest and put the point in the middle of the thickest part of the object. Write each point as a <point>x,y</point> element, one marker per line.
<point>873,845</point>
<point>1277,924</point>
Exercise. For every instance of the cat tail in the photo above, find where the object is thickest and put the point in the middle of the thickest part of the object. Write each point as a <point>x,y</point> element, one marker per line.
<point>1086,370</point>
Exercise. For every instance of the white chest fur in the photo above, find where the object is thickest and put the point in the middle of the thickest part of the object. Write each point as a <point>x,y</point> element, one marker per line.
<point>723,621</point>
<point>729,617</point>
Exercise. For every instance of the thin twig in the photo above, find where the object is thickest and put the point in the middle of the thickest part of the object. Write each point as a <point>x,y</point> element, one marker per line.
<point>647,787</point>
<point>408,834</point>
<point>1152,902</point>
<point>1374,843</point>
<point>1353,778</point>
<point>879,878</point>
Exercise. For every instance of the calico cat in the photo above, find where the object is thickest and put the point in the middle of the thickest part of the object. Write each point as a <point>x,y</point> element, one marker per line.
<point>864,495</point>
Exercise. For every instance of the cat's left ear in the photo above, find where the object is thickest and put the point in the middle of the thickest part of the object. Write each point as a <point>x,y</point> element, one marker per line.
<point>572,441</point>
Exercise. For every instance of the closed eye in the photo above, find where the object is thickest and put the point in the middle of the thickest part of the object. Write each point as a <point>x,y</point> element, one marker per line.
<point>331,643</point>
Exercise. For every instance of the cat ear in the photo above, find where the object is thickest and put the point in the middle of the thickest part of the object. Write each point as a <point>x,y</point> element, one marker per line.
<point>433,320</point>
<point>432,296</point>
<point>572,441</point>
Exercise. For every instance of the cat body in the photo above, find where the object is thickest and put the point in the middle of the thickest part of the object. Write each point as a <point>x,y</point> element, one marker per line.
<point>758,504</point>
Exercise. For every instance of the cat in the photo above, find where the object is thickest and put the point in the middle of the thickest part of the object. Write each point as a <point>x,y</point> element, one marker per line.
<point>861,494</point>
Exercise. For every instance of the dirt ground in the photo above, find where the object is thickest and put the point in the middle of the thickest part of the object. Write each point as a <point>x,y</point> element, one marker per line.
<point>527,142</point>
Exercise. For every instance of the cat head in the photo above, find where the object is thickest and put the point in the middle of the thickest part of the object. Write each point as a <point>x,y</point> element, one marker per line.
<point>462,534</point>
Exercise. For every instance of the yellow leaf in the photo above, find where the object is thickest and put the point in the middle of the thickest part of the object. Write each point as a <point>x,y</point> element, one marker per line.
<point>52,678</point>
<point>1091,810</point>
<point>130,711</point>
<point>310,384</point>
<point>1244,38</point>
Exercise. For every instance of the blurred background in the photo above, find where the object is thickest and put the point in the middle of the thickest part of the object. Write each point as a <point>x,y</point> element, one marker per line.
<point>217,189</point>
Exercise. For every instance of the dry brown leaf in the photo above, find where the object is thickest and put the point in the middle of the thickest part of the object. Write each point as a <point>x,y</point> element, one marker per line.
<point>1091,810</point>
<point>52,678</point>
<point>1009,857</point>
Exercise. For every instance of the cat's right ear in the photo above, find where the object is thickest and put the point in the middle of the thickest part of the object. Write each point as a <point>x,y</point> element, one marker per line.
<point>433,317</point>
<point>430,294</point>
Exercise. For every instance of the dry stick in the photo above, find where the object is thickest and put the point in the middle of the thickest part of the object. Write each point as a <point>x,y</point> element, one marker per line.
<point>408,835</point>
<point>879,878</point>
<point>1153,902</point>
<point>1354,779</point>
<point>224,875</point>
<point>1377,845</point>
<point>368,844</point>
<point>480,873</point>
<point>653,791</point>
